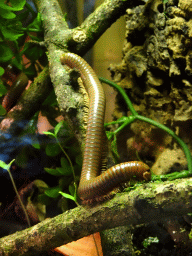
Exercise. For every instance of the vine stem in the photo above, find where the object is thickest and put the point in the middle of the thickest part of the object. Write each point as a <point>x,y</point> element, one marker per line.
<point>69,160</point>
<point>127,120</point>
<point>18,196</point>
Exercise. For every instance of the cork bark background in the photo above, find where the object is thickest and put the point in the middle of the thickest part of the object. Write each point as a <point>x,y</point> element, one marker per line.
<point>156,73</point>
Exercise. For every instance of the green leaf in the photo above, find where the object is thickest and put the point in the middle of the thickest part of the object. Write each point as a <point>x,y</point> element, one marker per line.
<point>65,125</point>
<point>49,133</point>
<point>64,131</point>
<point>31,71</point>
<point>17,61</point>
<point>23,158</point>
<point>52,192</point>
<point>52,149</point>
<point>3,89</point>
<point>10,33</point>
<point>35,142</point>
<point>64,182</point>
<point>54,172</point>
<point>64,171</point>
<point>7,14</point>
<point>58,127</point>
<point>72,190</point>
<point>2,110</point>
<point>17,5</point>
<point>67,196</point>
<point>36,145</point>
<point>66,167</point>
<point>1,71</point>
<point>34,52</point>
<point>13,5</point>
<point>37,24</point>
<point>5,53</point>
<point>79,159</point>
<point>4,165</point>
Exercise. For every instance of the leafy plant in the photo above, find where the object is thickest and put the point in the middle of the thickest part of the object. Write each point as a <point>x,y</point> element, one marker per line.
<point>66,169</point>
<point>16,40</point>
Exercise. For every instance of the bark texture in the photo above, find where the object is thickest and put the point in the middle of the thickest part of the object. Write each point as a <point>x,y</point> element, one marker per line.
<point>144,204</point>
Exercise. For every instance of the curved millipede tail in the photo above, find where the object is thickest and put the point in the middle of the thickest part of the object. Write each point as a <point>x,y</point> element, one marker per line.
<point>94,187</point>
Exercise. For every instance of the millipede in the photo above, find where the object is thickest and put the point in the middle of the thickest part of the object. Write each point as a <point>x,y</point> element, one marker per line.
<point>92,186</point>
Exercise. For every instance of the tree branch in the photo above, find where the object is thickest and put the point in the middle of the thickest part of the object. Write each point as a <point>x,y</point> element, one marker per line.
<point>60,38</point>
<point>85,36</point>
<point>146,203</point>
<point>28,104</point>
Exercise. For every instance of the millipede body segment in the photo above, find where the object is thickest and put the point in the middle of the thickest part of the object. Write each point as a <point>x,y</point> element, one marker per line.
<point>92,186</point>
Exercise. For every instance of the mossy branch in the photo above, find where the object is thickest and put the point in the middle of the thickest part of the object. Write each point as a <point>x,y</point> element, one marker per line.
<point>143,204</point>
<point>28,104</point>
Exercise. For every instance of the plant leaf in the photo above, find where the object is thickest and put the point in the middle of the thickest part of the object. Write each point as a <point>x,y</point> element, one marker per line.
<point>10,33</point>
<point>67,196</point>
<point>2,110</point>
<point>58,127</point>
<point>49,133</point>
<point>34,52</point>
<point>66,168</point>
<point>14,5</point>
<point>3,89</point>
<point>79,159</point>
<point>5,53</point>
<point>4,165</point>
<point>1,71</point>
<point>52,149</point>
<point>52,192</point>
<point>7,14</point>
<point>36,22</point>
<point>54,172</point>
<point>72,190</point>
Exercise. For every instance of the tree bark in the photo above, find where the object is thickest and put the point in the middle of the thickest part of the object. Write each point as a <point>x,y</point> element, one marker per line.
<point>28,104</point>
<point>59,39</point>
<point>145,203</point>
